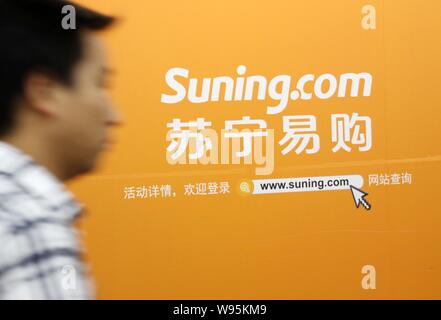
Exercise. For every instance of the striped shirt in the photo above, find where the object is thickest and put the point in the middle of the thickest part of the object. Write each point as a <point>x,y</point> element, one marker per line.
<point>40,252</point>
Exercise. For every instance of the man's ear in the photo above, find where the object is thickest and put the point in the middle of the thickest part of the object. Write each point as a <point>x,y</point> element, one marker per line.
<point>40,93</point>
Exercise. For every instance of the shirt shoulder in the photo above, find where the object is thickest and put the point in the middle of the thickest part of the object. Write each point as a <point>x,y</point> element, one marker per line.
<point>17,205</point>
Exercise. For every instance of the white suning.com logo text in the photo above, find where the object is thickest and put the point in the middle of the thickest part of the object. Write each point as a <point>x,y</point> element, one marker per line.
<point>279,88</point>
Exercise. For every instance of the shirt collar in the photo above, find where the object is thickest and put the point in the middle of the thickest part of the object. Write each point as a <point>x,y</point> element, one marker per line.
<point>39,182</point>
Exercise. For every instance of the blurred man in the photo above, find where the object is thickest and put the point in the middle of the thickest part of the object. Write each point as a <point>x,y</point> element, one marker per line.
<point>55,117</point>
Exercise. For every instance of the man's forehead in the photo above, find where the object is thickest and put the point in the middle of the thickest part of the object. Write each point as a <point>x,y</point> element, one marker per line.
<point>94,51</point>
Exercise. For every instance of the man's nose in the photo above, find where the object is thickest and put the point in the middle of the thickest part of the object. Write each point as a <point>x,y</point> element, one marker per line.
<point>115,117</point>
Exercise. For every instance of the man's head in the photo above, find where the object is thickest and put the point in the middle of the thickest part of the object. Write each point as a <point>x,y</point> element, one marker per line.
<point>53,82</point>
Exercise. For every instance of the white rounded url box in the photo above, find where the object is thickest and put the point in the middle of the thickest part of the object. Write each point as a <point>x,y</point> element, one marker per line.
<point>307,184</point>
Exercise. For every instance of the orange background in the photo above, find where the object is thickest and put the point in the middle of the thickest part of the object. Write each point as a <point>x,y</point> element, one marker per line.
<point>282,246</point>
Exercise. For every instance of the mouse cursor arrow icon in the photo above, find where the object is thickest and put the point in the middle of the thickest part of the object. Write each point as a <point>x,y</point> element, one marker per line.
<point>359,197</point>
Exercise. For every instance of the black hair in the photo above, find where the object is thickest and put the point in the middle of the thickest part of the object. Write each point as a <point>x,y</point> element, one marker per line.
<point>32,39</point>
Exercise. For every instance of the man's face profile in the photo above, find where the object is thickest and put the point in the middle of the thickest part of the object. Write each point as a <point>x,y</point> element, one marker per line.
<point>53,97</point>
<point>84,112</point>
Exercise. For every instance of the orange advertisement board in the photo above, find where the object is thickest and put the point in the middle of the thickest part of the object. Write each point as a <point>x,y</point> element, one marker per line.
<point>343,95</point>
